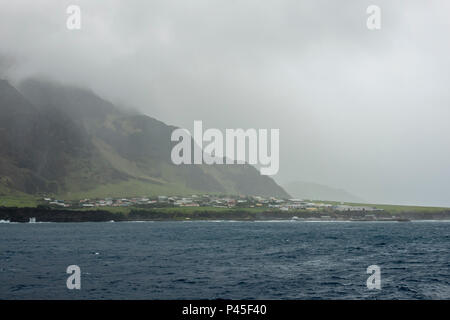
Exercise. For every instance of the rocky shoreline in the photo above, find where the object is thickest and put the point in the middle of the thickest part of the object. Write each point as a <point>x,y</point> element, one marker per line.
<point>61,215</point>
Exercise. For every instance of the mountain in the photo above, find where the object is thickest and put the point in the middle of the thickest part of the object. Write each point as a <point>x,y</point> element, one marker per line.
<point>69,142</point>
<point>315,191</point>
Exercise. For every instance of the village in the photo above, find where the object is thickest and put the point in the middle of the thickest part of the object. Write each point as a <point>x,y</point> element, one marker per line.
<point>207,200</point>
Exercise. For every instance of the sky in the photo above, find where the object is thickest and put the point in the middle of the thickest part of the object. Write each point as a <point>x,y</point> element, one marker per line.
<point>364,110</point>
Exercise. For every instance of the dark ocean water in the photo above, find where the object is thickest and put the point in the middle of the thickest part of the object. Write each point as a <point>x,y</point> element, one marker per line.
<point>230,260</point>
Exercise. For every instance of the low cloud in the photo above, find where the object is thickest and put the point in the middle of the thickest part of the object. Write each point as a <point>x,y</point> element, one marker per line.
<point>366,111</point>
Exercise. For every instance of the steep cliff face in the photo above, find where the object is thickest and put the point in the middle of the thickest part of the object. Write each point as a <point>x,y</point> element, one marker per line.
<point>70,142</point>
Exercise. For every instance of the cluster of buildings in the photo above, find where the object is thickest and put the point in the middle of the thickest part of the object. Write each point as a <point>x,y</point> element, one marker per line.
<point>162,201</point>
<point>107,202</point>
<point>208,201</point>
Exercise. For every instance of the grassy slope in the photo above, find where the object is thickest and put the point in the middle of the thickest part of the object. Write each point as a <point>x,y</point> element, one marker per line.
<point>401,208</point>
<point>389,207</point>
<point>10,198</point>
<point>130,188</point>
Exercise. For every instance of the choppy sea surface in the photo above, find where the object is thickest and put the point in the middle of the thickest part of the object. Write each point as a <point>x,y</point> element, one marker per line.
<point>226,260</point>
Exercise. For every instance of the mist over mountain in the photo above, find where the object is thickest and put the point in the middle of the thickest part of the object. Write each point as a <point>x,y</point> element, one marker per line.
<point>316,191</point>
<point>70,142</point>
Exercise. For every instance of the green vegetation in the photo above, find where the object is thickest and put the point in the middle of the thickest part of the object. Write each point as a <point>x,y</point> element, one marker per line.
<point>13,198</point>
<point>402,208</point>
<point>25,201</point>
<point>392,208</point>
<point>129,188</point>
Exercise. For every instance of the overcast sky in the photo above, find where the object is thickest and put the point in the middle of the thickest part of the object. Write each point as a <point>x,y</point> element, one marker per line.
<point>366,111</point>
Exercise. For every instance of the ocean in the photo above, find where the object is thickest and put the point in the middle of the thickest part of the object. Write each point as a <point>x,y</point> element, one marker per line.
<point>225,260</point>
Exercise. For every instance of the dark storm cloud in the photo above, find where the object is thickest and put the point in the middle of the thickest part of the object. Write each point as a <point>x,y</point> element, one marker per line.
<point>367,111</point>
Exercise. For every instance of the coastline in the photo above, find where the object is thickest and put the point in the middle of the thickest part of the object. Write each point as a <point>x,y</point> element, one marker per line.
<point>42,214</point>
